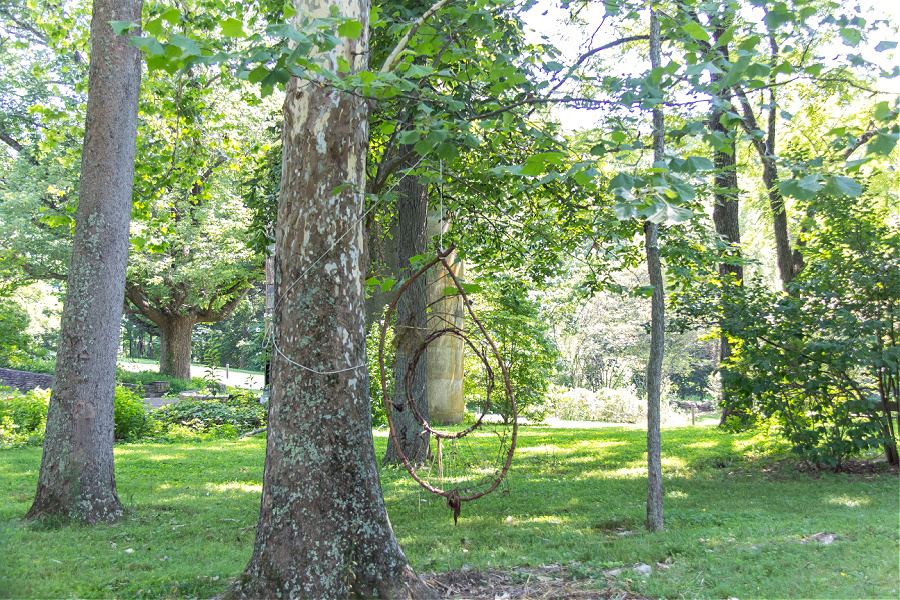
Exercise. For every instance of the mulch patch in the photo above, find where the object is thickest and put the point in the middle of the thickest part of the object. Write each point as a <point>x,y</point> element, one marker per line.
<point>524,583</point>
<point>855,467</point>
<point>785,467</point>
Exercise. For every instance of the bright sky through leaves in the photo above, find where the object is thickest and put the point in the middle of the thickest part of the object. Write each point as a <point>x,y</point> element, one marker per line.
<point>547,19</point>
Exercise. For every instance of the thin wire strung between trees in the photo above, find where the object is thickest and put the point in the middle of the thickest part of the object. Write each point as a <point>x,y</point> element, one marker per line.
<point>471,471</point>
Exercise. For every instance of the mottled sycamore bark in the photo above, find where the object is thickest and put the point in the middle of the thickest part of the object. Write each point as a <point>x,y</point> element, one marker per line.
<point>657,318</point>
<point>323,530</point>
<point>412,208</point>
<point>76,478</point>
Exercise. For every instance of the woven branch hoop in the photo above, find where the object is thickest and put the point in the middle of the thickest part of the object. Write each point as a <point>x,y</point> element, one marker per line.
<point>453,496</point>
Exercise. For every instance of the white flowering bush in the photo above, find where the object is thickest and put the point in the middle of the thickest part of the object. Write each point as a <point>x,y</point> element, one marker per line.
<point>610,405</point>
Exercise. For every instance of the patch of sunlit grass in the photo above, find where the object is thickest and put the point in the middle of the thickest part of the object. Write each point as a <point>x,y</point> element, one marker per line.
<point>850,501</point>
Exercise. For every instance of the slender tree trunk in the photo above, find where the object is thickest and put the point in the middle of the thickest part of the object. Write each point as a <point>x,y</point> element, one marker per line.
<point>412,207</point>
<point>657,318</point>
<point>789,262</point>
<point>323,530</point>
<point>77,478</point>
<point>726,213</point>
<point>176,333</point>
<point>787,269</point>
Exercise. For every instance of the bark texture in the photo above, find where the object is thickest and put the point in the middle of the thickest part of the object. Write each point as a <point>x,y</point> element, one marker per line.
<point>176,334</point>
<point>412,208</point>
<point>790,263</point>
<point>657,318</point>
<point>77,477</point>
<point>323,530</point>
<point>726,210</point>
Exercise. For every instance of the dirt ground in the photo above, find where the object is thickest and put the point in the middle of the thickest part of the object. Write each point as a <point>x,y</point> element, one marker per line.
<point>525,583</point>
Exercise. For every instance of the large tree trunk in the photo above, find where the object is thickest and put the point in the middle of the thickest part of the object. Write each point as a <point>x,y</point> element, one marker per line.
<point>412,207</point>
<point>77,477</point>
<point>176,324</point>
<point>657,318</point>
<point>176,333</point>
<point>323,530</point>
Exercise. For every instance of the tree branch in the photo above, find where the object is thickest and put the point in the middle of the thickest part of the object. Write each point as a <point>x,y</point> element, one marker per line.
<point>210,315</point>
<point>25,26</point>
<point>394,56</point>
<point>12,143</point>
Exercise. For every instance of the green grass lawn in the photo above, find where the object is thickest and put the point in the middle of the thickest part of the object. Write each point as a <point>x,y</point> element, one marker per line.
<point>734,512</point>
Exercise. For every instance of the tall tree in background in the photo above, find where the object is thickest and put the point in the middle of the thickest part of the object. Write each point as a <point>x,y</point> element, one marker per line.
<point>412,206</point>
<point>657,315</point>
<point>323,530</point>
<point>77,477</point>
<point>189,262</point>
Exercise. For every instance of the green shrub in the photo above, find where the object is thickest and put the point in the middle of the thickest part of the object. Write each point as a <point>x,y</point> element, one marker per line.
<point>23,417</point>
<point>241,410</point>
<point>13,323</point>
<point>819,361</point>
<point>133,420</point>
<point>609,405</point>
<point>21,361</point>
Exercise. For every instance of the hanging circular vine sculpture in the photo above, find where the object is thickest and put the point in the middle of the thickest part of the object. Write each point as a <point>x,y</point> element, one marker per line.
<point>492,472</point>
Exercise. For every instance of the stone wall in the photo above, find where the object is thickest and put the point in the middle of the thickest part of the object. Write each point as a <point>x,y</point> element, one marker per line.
<point>25,380</point>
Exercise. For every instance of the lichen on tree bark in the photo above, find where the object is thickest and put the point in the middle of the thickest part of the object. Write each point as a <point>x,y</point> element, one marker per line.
<point>76,478</point>
<point>323,530</point>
